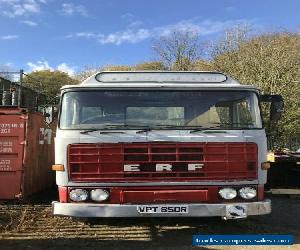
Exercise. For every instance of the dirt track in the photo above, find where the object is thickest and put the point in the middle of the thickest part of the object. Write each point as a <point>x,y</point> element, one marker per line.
<point>33,227</point>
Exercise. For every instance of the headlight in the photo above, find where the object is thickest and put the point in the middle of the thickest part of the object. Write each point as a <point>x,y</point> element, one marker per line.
<point>247,193</point>
<point>79,195</point>
<point>227,193</point>
<point>99,195</point>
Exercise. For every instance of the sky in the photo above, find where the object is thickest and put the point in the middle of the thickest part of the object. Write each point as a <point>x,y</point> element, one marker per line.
<point>70,35</point>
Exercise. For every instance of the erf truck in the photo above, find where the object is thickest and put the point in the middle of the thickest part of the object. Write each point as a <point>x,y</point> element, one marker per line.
<point>134,144</point>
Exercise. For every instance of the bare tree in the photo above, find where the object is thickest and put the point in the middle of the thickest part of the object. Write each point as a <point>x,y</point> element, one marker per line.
<point>86,72</point>
<point>231,39</point>
<point>179,50</point>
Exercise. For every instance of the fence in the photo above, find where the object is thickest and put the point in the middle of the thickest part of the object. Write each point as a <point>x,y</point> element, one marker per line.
<point>13,93</point>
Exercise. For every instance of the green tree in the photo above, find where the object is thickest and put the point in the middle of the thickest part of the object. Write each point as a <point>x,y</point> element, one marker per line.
<point>48,82</point>
<point>272,62</point>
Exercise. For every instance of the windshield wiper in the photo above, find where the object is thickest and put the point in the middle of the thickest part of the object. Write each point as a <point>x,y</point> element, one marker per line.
<point>158,126</point>
<point>114,126</point>
<point>200,128</point>
<point>144,130</point>
<point>111,132</point>
<point>105,127</point>
<point>89,130</point>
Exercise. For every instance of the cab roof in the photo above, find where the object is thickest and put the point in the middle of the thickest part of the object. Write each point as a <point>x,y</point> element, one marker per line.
<point>159,79</point>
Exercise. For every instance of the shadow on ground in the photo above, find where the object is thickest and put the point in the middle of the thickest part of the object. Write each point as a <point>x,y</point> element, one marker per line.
<point>41,231</point>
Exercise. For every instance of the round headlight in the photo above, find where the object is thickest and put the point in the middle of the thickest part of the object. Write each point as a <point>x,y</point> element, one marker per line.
<point>227,193</point>
<point>79,195</point>
<point>247,193</point>
<point>99,195</point>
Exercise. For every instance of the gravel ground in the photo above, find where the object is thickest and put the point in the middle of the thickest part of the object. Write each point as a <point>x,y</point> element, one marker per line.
<point>30,226</point>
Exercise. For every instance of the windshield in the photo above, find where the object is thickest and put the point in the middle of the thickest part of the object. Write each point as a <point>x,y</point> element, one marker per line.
<point>95,109</point>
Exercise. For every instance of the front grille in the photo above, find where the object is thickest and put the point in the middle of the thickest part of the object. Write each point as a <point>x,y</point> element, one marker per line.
<point>105,161</point>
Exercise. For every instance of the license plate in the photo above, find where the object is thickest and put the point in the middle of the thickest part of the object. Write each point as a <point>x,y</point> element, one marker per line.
<point>236,211</point>
<point>163,209</point>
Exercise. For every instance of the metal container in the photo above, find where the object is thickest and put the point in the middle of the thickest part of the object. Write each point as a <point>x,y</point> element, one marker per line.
<point>26,153</point>
<point>285,171</point>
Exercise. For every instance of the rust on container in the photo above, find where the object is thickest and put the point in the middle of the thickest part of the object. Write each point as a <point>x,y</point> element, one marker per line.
<point>26,152</point>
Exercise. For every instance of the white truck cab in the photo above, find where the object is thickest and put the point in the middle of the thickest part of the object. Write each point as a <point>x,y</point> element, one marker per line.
<point>161,143</point>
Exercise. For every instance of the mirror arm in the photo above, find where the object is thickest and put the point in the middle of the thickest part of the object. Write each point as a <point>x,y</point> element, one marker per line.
<point>271,98</point>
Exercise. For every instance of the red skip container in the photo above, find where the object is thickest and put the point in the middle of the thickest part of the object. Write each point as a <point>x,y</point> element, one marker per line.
<point>26,153</point>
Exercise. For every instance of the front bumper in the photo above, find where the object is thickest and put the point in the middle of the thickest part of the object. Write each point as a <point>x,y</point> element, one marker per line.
<point>129,210</point>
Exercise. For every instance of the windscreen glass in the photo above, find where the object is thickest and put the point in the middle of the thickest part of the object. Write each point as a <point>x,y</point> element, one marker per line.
<point>160,109</point>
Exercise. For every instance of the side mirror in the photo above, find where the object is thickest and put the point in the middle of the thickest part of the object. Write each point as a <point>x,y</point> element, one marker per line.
<point>276,110</point>
<point>277,106</point>
<point>46,115</point>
